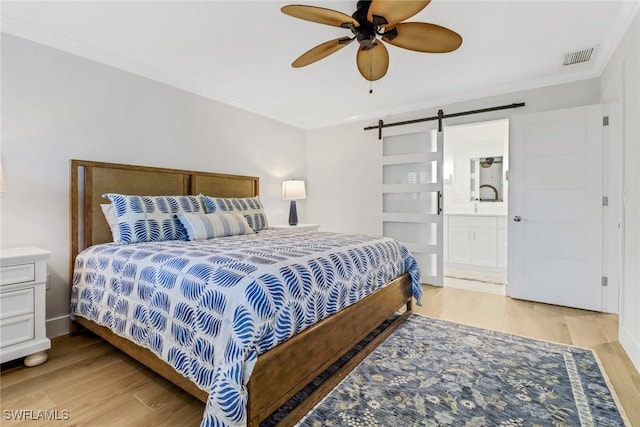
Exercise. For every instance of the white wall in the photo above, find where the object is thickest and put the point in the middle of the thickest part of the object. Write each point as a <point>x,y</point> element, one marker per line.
<point>344,171</point>
<point>621,89</point>
<point>57,107</point>
<point>344,162</point>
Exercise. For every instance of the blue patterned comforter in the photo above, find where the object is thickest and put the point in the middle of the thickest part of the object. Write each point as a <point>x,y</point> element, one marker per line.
<point>208,308</point>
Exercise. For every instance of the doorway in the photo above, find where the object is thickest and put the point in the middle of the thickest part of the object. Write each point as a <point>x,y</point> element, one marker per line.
<point>475,178</point>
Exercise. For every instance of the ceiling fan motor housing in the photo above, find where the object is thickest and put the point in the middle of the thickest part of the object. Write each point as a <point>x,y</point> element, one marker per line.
<point>366,36</point>
<point>366,31</point>
<point>363,5</point>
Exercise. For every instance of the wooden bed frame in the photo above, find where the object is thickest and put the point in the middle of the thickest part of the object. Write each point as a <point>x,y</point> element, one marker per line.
<point>282,371</point>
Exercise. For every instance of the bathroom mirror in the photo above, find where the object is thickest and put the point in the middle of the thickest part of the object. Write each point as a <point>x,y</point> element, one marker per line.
<point>487,179</point>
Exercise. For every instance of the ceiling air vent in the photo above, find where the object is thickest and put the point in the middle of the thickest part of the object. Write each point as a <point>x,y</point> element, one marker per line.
<point>577,57</point>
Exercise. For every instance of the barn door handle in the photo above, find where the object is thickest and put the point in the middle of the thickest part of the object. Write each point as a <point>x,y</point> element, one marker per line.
<point>439,207</point>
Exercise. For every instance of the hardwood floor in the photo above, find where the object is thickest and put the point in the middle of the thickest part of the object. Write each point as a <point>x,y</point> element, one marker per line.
<point>98,385</point>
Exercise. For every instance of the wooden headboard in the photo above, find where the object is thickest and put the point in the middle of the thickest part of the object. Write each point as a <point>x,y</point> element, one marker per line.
<point>90,180</point>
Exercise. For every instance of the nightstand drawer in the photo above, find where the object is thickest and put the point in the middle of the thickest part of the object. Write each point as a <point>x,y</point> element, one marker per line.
<point>22,273</point>
<point>23,330</point>
<point>17,329</point>
<point>16,303</point>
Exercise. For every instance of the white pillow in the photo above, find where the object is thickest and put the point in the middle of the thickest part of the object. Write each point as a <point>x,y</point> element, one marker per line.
<point>110,216</point>
<point>208,226</point>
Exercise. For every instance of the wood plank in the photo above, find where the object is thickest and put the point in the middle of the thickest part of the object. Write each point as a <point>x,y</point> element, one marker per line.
<point>59,357</point>
<point>585,327</point>
<point>520,318</point>
<point>184,410</point>
<point>551,324</point>
<point>489,313</point>
<point>146,357</point>
<point>117,410</point>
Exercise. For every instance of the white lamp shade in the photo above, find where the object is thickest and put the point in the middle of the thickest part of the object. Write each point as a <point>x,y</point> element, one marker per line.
<point>293,190</point>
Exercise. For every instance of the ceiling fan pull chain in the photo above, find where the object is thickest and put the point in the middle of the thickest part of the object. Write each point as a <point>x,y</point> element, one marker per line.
<point>371,67</point>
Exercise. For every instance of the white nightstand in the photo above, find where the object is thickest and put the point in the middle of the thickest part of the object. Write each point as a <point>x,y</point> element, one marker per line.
<point>299,227</point>
<point>23,276</point>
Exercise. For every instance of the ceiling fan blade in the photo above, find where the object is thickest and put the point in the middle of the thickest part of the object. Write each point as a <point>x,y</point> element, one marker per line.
<point>387,13</point>
<point>373,62</point>
<point>321,51</point>
<point>320,15</point>
<point>423,37</point>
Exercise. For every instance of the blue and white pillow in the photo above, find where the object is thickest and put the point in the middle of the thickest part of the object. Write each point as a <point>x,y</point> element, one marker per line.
<point>209,226</point>
<point>250,207</point>
<point>151,218</point>
<point>110,216</point>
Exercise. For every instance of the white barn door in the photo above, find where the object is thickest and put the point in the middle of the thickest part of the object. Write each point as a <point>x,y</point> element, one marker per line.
<point>555,207</point>
<point>412,194</point>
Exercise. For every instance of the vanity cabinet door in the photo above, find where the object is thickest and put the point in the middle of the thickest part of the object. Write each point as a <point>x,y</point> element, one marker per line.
<point>473,240</point>
<point>484,247</point>
<point>459,245</point>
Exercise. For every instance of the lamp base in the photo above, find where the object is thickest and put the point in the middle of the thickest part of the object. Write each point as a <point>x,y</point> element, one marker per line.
<point>293,214</point>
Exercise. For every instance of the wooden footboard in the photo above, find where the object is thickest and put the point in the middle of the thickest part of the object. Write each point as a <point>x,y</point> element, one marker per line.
<point>283,371</point>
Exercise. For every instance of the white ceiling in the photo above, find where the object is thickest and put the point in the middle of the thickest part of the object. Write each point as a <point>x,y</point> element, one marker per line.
<point>239,52</point>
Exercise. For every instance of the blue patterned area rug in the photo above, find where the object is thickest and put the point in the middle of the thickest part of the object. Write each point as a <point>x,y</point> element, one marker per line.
<point>431,372</point>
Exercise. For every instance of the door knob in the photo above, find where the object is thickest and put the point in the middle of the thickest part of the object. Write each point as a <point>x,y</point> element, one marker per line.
<point>517,218</point>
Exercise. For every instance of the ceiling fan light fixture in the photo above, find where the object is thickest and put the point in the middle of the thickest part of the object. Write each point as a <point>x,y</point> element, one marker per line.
<point>371,19</point>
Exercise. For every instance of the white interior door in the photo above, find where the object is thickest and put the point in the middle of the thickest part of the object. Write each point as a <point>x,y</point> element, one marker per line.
<point>412,194</point>
<point>555,208</point>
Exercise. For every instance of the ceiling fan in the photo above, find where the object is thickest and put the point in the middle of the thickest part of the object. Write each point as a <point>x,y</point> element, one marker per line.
<point>371,19</point>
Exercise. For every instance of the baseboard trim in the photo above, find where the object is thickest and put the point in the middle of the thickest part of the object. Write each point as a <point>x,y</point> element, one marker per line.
<point>57,326</point>
<point>631,346</point>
